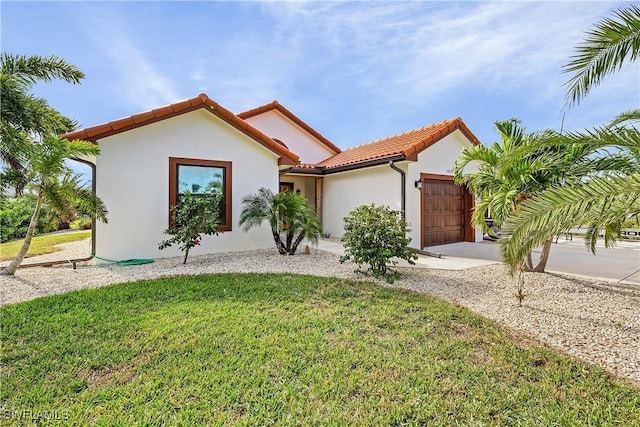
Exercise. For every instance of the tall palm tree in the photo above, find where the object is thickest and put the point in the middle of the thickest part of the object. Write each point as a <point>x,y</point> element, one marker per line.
<point>45,164</point>
<point>22,114</point>
<point>286,213</point>
<point>603,201</point>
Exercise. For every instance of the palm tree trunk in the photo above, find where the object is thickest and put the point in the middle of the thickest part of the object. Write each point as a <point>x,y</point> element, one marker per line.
<point>293,249</point>
<point>13,266</point>
<point>289,240</point>
<point>528,264</point>
<point>544,256</point>
<point>279,245</point>
<point>540,267</point>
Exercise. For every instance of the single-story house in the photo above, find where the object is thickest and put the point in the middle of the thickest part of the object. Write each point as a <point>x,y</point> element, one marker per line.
<point>146,160</point>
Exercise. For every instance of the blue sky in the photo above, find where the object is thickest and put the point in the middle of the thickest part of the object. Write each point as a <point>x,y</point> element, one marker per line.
<point>355,71</point>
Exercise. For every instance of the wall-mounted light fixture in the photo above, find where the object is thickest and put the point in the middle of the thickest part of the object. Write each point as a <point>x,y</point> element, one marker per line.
<point>298,191</point>
<point>418,184</point>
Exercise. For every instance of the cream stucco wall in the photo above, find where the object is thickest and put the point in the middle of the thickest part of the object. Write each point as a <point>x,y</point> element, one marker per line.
<point>342,192</point>
<point>381,185</point>
<point>276,125</point>
<point>133,179</point>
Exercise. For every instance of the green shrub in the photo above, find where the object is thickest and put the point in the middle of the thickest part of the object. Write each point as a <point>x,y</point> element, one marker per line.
<point>375,236</point>
<point>81,223</point>
<point>15,214</point>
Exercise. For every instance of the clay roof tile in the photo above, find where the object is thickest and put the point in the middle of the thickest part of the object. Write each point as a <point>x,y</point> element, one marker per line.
<point>407,143</point>
<point>201,101</point>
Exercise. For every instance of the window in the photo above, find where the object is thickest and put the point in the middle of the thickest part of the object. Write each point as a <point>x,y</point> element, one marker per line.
<point>286,187</point>
<point>200,177</point>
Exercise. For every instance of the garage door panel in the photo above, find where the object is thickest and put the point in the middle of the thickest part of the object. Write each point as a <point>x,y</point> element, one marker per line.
<point>454,221</point>
<point>456,205</point>
<point>443,214</point>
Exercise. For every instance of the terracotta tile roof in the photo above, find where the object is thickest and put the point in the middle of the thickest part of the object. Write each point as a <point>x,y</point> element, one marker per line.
<point>407,144</point>
<point>201,101</point>
<point>275,105</point>
<point>306,166</point>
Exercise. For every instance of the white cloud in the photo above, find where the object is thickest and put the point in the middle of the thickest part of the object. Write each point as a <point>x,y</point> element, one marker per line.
<point>334,63</point>
<point>138,80</point>
<point>408,52</point>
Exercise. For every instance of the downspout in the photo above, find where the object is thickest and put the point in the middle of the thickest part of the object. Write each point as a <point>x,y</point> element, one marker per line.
<point>403,188</point>
<point>403,202</point>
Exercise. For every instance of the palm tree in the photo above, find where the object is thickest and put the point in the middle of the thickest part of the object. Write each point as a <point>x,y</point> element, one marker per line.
<point>503,180</point>
<point>603,202</point>
<point>45,164</point>
<point>22,114</point>
<point>525,165</point>
<point>285,212</point>
<point>301,219</point>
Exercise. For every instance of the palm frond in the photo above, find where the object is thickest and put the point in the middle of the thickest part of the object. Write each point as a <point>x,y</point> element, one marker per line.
<point>600,202</point>
<point>54,196</point>
<point>258,208</point>
<point>79,148</point>
<point>629,116</point>
<point>606,48</point>
<point>28,70</point>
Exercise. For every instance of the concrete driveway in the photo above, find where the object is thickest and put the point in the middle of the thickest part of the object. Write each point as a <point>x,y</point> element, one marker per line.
<point>620,264</point>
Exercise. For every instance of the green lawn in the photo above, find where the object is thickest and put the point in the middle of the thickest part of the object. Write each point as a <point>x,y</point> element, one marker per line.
<point>41,245</point>
<point>252,349</point>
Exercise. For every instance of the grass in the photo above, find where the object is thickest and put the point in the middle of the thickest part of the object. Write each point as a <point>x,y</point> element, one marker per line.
<point>266,349</point>
<point>41,245</point>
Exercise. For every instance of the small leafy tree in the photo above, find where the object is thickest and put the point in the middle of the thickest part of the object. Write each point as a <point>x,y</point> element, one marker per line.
<point>375,236</point>
<point>287,213</point>
<point>193,217</point>
<point>43,169</point>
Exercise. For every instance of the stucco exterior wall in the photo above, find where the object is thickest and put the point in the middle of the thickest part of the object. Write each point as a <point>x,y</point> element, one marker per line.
<point>381,185</point>
<point>133,181</point>
<point>342,192</point>
<point>437,159</point>
<point>277,126</point>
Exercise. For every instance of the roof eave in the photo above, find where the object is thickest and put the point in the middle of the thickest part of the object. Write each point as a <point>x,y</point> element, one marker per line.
<point>95,133</point>
<point>365,164</point>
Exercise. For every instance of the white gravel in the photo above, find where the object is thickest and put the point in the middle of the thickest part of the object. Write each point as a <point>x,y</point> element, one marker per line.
<point>595,321</point>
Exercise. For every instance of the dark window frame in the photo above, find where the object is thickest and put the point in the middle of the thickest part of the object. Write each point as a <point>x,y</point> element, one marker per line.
<point>174,162</point>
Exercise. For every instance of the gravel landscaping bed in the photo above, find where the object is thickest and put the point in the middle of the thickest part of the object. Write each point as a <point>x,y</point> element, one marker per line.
<point>595,321</point>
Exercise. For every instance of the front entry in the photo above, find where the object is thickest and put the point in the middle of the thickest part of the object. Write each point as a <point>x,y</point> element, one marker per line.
<point>445,212</point>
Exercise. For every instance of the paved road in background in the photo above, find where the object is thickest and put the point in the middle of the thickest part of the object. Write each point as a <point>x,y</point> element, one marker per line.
<point>620,264</point>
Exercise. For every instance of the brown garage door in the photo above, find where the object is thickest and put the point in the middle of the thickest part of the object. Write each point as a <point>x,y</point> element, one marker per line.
<point>443,212</point>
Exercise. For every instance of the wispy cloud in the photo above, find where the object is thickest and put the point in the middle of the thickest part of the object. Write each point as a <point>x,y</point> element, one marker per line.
<point>138,80</point>
<point>354,70</point>
<point>412,52</point>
